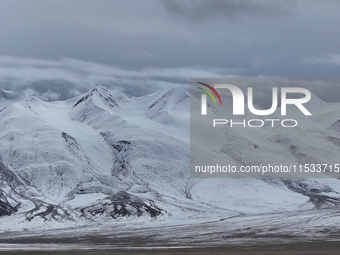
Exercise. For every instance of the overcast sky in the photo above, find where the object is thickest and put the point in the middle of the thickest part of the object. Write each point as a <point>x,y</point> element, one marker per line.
<point>64,47</point>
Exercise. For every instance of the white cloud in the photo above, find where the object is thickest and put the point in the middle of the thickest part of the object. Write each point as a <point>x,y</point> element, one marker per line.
<point>66,77</point>
<point>329,59</point>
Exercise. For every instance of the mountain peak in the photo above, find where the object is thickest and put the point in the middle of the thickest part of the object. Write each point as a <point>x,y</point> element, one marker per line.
<point>93,103</point>
<point>167,102</point>
<point>100,93</point>
<point>102,90</point>
<point>173,95</point>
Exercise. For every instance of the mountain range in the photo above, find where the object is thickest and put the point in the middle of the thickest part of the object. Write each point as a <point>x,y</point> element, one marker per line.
<point>103,157</point>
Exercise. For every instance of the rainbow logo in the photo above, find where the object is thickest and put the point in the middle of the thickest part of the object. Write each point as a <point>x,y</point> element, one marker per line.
<point>209,93</point>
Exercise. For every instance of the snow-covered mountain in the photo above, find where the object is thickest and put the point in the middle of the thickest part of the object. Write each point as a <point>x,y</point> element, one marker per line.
<point>100,157</point>
<point>93,155</point>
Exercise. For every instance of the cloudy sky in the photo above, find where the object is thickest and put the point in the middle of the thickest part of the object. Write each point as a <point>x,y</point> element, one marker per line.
<point>60,48</point>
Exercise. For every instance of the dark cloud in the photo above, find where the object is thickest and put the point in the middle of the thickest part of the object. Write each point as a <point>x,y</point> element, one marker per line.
<point>141,43</point>
<point>199,10</point>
